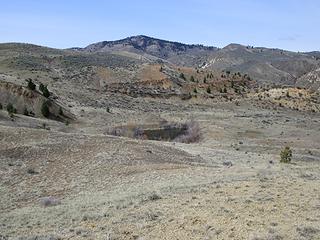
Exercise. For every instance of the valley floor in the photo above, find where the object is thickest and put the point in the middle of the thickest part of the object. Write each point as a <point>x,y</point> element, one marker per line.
<point>230,185</point>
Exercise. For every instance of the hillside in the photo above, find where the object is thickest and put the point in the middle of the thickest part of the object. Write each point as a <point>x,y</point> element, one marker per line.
<point>80,77</point>
<point>151,139</point>
<point>267,66</point>
<point>156,49</point>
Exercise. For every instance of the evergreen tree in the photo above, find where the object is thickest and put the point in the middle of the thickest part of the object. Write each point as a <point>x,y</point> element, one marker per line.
<point>11,109</point>
<point>31,85</point>
<point>41,87</point>
<point>182,76</point>
<point>25,111</point>
<point>45,109</point>
<point>208,90</point>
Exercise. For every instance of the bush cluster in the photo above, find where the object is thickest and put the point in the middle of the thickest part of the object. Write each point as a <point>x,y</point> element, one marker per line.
<point>286,155</point>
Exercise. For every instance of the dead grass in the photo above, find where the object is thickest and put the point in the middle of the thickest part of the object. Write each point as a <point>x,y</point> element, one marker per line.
<point>192,135</point>
<point>49,201</point>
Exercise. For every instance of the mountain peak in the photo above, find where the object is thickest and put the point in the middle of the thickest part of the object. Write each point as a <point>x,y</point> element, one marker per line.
<point>234,46</point>
<point>145,44</point>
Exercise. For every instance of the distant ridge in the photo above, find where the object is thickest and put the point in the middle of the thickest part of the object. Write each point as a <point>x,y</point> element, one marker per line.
<point>268,66</point>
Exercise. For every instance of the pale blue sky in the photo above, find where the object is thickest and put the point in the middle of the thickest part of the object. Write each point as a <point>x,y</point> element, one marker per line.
<point>287,24</point>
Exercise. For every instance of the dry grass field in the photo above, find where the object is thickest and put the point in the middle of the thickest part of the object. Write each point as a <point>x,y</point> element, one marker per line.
<point>169,142</point>
<point>76,182</point>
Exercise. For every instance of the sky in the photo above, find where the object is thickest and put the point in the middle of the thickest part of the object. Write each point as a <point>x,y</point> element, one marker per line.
<point>286,24</point>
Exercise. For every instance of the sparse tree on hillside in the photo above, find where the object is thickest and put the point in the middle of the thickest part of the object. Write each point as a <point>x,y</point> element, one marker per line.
<point>46,92</point>
<point>288,94</point>
<point>182,76</point>
<point>31,85</point>
<point>208,90</point>
<point>11,109</point>
<point>41,87</point>
<point>25,111</point>
<point>45,109</point>
<point>192,79</point>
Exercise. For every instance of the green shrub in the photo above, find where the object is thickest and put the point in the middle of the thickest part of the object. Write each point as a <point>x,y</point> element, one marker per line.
<point>41,87</point>
<point>192,79</point>
<point>186,96</point>
<point>31,85</point>
<point>182,76</point>
<point>46,92</point>
<point>11,109</point>
<point>25,111</point>
<point>286,155</point>
<point>208,90</point>
<point>45,109</point>
<point>1,106</point>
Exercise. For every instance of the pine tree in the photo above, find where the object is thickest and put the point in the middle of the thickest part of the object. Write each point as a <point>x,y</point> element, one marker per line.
<point>182,76</point>
<point>45,109</point>
<point>31,85</point>
<point>208,90</point>
<point>46,92</point>
<point>41,87</point>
